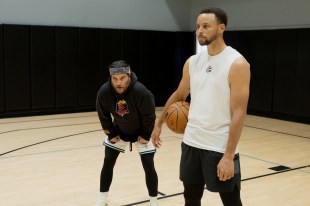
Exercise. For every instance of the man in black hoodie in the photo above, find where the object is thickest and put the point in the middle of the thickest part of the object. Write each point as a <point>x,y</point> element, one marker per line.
<point>126,110</point>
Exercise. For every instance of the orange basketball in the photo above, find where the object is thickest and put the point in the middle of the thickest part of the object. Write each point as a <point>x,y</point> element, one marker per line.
<point>176,116</point>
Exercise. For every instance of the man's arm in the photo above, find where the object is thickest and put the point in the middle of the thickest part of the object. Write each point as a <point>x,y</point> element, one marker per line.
<point>105,118</point>
<point>239,78</point>
<point>178,95</point>
<point>148,116</point>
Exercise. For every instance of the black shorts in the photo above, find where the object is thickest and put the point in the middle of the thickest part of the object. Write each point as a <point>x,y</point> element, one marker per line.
<point>200,166</point>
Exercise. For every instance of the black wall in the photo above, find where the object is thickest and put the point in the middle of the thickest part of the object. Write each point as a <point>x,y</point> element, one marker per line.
<point>47,69</point>
<point>53,69</point>
<point>280,63</point>
<point>302,86</point>
<point>1,72</point>
<point>89,65</point>
<point>42,49</point>
<point>17,83</point>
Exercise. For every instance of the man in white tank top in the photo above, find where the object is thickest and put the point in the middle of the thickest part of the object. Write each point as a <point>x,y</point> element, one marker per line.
<point>218,81</point>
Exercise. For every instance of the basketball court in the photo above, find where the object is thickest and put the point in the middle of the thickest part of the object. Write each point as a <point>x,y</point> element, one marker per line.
<point>56,160</point>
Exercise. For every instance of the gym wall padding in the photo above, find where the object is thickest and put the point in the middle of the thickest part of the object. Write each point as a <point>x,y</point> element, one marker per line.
<point>111,50</point>
<point>185,45</point>
<point>17,68</point>
<point>279,60</point>
<point>245,44</point>
<point>42,50</point>
<point>163,55</point>
<point>53,69</point>
<point>66,65</point>
<point>89,65</point>
<point>258,48</point>
<point>150,72</point>
<point>130,49</point>
<point>56,69</point>
<point>166,68</point>
<point>1,71</point>
<point>302,86</point>
<point>285,71</point>
<point>262,70</point>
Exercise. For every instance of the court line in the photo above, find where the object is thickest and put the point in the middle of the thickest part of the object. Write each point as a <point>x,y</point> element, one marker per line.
<point>37,120</point>
<point>264,160</point>
<point>275,173</point>
<point>96,115</point>
<point>48,141</point>
<point>52,151</point>
<point>294,135</point>
<point>277,132</point>
<point>12,122</point>
<point>33,128</point>
<point>241,154</point>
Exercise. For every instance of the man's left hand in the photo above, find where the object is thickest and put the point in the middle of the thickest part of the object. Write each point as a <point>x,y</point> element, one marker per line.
<point>225,169</point>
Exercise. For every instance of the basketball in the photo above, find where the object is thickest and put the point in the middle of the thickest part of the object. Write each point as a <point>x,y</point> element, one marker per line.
<point>176,116</point>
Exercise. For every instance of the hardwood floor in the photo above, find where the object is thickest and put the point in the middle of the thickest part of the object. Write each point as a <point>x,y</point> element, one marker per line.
<point>56,160</point>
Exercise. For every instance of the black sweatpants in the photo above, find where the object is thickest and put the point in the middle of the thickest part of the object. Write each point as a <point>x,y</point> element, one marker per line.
<point>147,160</point>
<point>194,192</point>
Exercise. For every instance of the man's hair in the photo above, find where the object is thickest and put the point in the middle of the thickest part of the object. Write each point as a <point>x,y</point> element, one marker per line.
<point>119,64</point>
<point>220,14</point>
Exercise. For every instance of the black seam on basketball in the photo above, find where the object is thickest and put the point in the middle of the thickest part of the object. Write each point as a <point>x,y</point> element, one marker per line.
<point>170,113</point>
<point>178,104</point>
<point>176,122</point>
<point>186,105</point>
<point>184,114</point>
<point>174,110</point>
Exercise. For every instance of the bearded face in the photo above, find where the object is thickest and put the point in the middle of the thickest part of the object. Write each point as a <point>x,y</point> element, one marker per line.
<point>120,82</point>
<point>208,29</point>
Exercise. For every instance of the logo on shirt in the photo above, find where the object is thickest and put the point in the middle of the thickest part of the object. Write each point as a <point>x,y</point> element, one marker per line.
<point>209,69</point>
<point>122,107</point>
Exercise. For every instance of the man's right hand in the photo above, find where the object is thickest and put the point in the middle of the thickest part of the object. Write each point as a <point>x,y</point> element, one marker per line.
<point>155,136</point>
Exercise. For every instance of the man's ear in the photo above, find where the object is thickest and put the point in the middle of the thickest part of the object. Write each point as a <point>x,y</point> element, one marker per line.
<point>222,28</point>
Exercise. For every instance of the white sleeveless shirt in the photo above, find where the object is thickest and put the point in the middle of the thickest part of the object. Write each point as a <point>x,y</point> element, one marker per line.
<point>209,115</point>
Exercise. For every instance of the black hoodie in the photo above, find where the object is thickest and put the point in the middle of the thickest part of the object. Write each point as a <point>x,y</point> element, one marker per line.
<point>133,112</point>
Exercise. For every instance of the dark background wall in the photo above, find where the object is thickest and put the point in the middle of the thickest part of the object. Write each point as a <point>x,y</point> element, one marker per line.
<point>1,72</point>
<point>53,69</point>
<point>280,64</point>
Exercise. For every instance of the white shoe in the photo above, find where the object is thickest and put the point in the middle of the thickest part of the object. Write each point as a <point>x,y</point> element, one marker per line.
<point>101,203</point>
<point>153,201</point>
<point>102,199</point>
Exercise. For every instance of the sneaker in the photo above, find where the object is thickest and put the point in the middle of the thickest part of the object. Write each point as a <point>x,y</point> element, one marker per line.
<point>153,201</point>
<point>102,199</point>
<point>101,203</point>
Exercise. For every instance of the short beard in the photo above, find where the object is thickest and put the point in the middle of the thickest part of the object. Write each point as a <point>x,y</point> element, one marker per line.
<point>208,41</point>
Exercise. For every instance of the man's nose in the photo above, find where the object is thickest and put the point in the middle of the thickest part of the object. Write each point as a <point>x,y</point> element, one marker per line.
<point>118,82</point>
<point>199,30</point>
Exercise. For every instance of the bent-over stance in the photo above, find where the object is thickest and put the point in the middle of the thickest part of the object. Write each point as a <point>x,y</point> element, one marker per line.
<point>126,110</point>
